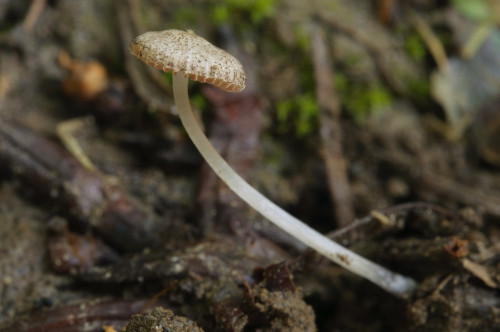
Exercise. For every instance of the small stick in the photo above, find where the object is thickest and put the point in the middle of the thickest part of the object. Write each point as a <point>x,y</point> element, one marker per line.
<point>433,43</point>
<point>479,36</point>
<point>429,181</point>
<point>36,8</point>
<point>66,129</point>
<point>88,199</point>
<point>87,316</point>
<point>330,131</point>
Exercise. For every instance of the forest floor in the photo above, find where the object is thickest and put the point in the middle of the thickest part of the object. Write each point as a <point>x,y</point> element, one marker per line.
<point>375,122</point>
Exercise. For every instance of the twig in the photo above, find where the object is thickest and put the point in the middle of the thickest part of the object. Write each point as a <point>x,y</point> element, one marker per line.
<point>428,181</point>
<point>145,81</point>
<point>4,86</point>
<point>385,58</point>
<point>477,39</point>
<point>358,230</point>
<point>153,301</point>
<point>66,131</point>
<point>36,9</point>
<point>433,43</point>
<point>457,191</point>
<point>330,131</point>
<point>88,316</point>
<point>88,198</point>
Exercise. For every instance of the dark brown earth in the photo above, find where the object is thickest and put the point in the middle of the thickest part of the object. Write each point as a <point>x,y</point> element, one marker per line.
<point>381,111</point>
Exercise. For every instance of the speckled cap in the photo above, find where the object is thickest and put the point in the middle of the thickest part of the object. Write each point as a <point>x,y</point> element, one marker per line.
<point>186,52</point>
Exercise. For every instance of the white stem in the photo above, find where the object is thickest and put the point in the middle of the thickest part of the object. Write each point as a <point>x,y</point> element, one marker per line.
<point>392,282</point>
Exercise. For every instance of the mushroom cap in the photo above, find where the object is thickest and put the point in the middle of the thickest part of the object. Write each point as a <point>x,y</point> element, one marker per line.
<point>186,52</point>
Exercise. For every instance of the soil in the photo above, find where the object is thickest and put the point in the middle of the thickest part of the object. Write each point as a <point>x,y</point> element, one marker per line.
<point>345,113</point>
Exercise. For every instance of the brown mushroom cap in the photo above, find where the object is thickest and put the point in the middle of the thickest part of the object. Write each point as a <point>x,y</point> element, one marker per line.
<point>186,52</point>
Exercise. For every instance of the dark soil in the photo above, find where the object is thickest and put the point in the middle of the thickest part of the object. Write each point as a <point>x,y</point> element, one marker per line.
<point>351,109</point>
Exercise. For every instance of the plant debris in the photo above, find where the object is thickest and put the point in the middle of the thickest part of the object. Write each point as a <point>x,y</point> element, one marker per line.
<point>404,94</point>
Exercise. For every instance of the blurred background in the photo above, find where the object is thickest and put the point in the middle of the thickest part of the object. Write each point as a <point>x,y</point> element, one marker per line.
<point>376,122</point>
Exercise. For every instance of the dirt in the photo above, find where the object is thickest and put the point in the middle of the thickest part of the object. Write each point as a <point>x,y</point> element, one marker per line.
<point>149,226</point>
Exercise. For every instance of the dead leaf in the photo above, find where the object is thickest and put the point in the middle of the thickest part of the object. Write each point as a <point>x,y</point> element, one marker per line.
<point>479,271</point>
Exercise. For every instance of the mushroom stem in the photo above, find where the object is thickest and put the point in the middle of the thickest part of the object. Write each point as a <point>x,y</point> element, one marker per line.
<point>392,282</point>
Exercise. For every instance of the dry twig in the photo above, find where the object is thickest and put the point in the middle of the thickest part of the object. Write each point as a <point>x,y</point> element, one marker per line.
<point>330,131</point>
<point>431,40</point>
<point>36,9</point>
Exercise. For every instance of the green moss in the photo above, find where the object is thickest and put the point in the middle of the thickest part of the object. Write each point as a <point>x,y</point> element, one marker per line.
<point>302,38</point>
<point>256,10</point>
<point>167,78</point>
<point>340,83</point>
<point>359,100</point>
<point>365,101</point>
<point>299,115</point>
<point>420,89</point>
<point>198,101</point>
<point>353,60</point>
<point>415,47</point>
<point>260,9</point>
<point>185,17</point>
<point>220,14</point>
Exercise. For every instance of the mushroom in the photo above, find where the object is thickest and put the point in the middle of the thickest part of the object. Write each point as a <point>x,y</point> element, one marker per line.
<point>190,56</point>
